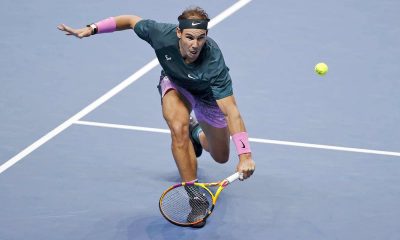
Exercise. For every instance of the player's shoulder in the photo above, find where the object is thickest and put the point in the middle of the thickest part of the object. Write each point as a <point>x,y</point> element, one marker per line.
<point>154,26</point>
<point>213,49</point>
<point>157,34</point>
<point>212,44</point>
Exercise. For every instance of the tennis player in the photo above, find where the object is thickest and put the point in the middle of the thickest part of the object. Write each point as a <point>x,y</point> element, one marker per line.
<point>194,78</point>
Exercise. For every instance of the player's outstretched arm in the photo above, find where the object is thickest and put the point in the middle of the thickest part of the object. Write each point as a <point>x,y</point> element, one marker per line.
<point>111,24</point>
<point>239,135</point>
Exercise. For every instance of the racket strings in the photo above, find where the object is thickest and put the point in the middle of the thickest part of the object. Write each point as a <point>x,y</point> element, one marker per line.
<point>186,204</point>
<point>199,203</point>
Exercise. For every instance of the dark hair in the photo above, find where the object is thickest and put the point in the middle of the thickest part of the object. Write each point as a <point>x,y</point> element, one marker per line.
<point>193,12</point>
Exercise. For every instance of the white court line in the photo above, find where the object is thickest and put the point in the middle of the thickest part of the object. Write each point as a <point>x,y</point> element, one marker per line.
<point>79,115</point>
<point>127,127</point>
<point>257,140</point>
<point>149,66</point>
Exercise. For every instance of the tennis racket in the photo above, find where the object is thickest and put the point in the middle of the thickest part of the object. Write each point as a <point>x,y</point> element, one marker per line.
<point>190,203</point>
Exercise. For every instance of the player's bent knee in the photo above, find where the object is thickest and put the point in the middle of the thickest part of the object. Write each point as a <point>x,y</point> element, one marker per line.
<point>221,158</point>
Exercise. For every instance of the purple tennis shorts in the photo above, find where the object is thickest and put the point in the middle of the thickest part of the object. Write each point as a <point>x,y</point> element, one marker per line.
<point>205,112</point>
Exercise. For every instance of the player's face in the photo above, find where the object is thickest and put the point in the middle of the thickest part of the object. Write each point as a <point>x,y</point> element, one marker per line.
<point>191,42</point>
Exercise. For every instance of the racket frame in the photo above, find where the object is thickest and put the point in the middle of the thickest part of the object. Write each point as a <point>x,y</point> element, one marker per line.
<point>222,184</point>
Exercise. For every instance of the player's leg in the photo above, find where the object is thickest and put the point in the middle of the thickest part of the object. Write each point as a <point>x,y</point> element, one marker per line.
<point>215,141</point>
<point>176,109</point>
<point>214,136</point>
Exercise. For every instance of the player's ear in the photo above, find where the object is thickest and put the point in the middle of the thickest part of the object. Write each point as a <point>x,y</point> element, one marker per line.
<point>178,32</point>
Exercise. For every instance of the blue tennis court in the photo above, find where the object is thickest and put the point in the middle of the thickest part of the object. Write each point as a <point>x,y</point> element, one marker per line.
<point>85,152</point>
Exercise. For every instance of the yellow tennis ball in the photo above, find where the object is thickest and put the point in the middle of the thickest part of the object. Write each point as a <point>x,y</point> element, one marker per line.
<point>321,68</point>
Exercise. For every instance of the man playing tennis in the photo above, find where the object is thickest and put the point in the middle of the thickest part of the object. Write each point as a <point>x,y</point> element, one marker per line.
<point>194,77</point>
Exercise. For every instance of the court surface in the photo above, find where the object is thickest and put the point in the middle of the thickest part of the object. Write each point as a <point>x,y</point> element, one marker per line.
<point>85,152</point>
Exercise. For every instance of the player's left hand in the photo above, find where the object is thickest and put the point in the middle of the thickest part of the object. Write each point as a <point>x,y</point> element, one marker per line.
<point>79,33</point>
<point>246,165</point>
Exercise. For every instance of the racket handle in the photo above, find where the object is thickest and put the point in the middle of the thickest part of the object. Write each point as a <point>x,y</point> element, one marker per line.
<point>233,177</point>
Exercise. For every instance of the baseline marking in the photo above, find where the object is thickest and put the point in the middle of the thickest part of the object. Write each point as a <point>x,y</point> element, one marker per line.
<point>114,91</point>
<point>126,127</point>
<point>257,140</point>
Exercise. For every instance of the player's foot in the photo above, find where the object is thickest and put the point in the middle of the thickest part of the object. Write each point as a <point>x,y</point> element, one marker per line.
<point>199,211</point>
<point>193,128</point>
<point>197,225</point>
<point>200,206</point>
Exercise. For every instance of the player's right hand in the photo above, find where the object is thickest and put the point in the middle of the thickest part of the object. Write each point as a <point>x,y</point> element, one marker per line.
<point>246,166</point>
<point>79,33</point>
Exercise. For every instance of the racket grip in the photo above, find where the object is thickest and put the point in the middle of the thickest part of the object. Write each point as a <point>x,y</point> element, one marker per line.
<point>233,177</point>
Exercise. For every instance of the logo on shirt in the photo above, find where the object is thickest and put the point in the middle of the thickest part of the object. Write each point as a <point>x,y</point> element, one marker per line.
<point>168,58</point>
<point>190,76</point>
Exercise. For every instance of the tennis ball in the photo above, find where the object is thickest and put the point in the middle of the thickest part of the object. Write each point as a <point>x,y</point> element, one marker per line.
<point>321,68</point>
